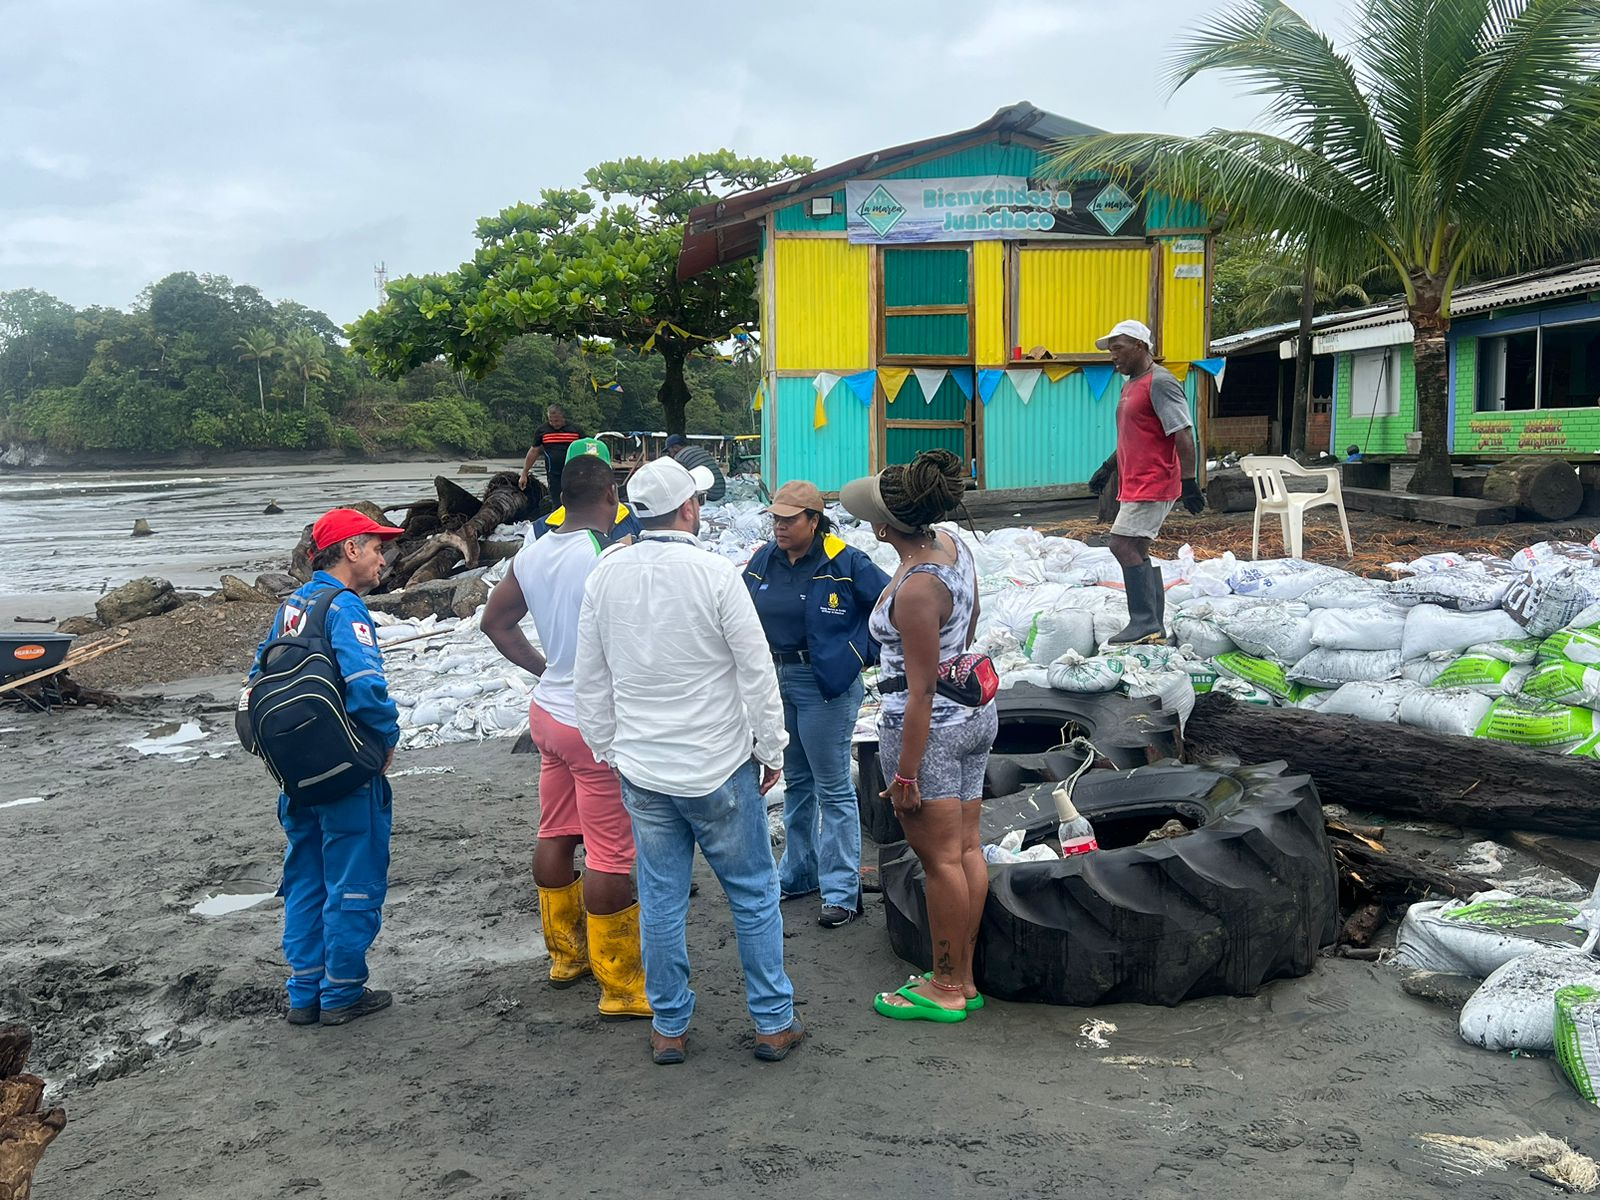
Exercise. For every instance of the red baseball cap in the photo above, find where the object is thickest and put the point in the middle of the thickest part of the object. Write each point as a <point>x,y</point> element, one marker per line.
<point>340,523</point>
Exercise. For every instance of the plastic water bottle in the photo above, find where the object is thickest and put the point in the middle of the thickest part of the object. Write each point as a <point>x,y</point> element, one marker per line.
<point>1077,835</point>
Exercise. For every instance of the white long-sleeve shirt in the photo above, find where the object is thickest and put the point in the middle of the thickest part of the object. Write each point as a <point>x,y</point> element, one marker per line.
<point>675,683</point>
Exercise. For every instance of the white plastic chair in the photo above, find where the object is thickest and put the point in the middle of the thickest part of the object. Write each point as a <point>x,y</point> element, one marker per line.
<point>1266,473</point>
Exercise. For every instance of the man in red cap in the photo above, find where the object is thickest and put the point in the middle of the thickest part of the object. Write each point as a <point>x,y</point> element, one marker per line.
<point>336,869</point>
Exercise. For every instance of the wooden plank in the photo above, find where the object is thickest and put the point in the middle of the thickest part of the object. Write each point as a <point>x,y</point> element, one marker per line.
<point>1577,858</point>
<point>1459,511</point>
<point>66,665</point>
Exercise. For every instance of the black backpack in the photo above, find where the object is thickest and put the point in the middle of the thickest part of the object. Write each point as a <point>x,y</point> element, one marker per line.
<point>293,716</point>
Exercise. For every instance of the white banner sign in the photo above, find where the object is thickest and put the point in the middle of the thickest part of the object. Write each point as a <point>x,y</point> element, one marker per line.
<point>984,207</point>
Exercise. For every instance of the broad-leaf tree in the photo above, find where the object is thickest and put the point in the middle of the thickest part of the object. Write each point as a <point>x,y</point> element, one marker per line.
<point>596,262</point>
<point>1456,136</point>
<point>257,346</point>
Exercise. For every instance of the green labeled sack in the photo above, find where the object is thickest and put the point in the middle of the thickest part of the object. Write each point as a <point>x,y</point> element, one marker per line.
<point>1574,645</point>
<point>1536,723</point>
<point>1564,682</point>
<point>1304,691</point>
<point>1518,652</point>
<point>1473,671</point>
<point>1578,1038</point>
<point>1268,676</point>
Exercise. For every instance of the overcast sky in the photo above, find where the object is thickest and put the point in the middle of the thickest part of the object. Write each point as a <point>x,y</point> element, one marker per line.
<point>293,144</point>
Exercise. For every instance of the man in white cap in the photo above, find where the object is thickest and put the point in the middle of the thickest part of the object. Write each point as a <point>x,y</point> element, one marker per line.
<point>676,690</point>
<point>1155,465</point>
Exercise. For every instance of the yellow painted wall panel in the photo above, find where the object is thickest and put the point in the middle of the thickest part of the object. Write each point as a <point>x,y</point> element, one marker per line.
<point>1069,297</point>
<point>1183,305</point>
<point>823,316</point>
<point>988,297</point>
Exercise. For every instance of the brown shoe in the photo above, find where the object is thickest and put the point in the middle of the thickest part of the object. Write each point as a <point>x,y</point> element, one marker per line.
<point>667,1051</point>
<point>775,1047</point>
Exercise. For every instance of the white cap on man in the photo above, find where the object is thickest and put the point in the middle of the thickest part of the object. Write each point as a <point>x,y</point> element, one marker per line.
<point>1137,330</point>
<point>660,487</point>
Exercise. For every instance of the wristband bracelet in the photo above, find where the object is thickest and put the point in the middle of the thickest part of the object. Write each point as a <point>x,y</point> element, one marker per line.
<point>903,781</point>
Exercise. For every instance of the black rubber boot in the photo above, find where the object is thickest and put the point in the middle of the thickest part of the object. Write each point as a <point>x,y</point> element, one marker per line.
<point>1158,598</point>
<point>370,1001</point>
<point>1143,624</point>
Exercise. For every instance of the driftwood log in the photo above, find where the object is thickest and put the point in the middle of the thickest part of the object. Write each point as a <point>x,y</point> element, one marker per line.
<point>1543,487</point>
<point>1398,769</point>
<point>1230,492</point>
<point>25,1132</point>
<point>463,521</point>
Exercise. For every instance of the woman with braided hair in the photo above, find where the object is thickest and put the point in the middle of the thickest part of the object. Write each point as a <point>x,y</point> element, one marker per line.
<point>934,748</point>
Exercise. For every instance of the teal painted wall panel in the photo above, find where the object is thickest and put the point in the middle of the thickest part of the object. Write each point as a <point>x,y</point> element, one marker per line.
<point>831,456</point>
<point>990,159</point>
<point>1165,212</point>
<point>1061,436</point>
<point>903,445</point>
<point>798,216</point>
<point>926,276</point>
<point>949,403</point>
<point>943,336</point>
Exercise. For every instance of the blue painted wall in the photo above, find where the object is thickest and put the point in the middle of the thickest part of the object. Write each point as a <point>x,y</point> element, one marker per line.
<point>831,456</point>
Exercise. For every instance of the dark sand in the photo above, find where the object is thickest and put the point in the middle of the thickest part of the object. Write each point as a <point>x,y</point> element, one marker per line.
<point>162,1033</point>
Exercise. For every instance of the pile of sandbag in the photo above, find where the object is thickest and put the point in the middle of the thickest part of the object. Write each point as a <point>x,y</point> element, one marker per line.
<point>1505,649</point>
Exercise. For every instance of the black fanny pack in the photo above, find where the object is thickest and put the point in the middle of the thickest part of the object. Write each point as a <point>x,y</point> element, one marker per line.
<point>968,679</point>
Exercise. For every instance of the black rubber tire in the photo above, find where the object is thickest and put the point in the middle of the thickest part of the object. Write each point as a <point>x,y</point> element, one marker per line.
<point>1248,896</point>
<point>1131,732</point>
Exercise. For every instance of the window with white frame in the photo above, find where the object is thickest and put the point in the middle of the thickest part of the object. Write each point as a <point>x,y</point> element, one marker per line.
<point>1553,366</point>
<point>1375,383</point>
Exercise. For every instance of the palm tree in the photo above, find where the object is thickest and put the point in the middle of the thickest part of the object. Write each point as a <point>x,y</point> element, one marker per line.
<point>256,346</point>
<point>307,356</point>
<point>1458,136</point>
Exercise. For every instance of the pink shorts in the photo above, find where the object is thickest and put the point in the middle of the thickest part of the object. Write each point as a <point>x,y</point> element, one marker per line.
<point>579,797</point>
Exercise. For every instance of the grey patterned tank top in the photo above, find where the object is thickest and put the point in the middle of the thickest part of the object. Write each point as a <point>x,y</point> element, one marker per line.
<point>961,580</point>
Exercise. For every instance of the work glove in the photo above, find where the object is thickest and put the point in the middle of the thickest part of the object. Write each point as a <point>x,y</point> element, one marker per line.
<point>1098,481</point>
<point>1193,498</point>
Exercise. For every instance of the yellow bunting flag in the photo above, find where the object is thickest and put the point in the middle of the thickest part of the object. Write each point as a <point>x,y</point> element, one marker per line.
<point>1180,370</point>
<point>893,379</point>
<point>761,398</point>
<point>1058,373</point>
<point>824,383</point>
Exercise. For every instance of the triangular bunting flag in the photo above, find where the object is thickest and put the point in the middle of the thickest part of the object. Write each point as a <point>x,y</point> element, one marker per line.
<point>1025,382</point>
<point>1214,367</point>
<point>1180,370</point>
<point>930,380</point>
<point>1097,376</point>
<point>1057,374</point>
<point>760,401</point>
<point>863,384</point>
<point>963,378</point>
<point>825,382</point>
<point>893,379</point>
<point>988,380</point>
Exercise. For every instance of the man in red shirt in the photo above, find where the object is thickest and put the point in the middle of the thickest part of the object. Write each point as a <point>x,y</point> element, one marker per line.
<point>1155,464</point>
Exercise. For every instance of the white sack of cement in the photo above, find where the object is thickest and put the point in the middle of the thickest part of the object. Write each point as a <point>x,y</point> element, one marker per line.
<point>1446,710</point>
<point>1334,668</point>
<point>1282,578</point>
<point>1369,701</point>
<point>1279,632</point>
<point>1378,627</point>
<point>1479,936</point>
<point>1430,628</point>
<point>1515,1008</point>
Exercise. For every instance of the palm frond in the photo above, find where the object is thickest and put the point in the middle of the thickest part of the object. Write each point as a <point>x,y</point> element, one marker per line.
<point>1314,95</point>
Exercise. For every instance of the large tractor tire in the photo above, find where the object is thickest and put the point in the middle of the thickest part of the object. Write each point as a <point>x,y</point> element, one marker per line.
<point>1246,896</point>
<point>1035,725</point>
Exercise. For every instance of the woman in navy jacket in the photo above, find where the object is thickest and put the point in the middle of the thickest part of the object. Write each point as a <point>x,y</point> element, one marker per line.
<point>814,594</point>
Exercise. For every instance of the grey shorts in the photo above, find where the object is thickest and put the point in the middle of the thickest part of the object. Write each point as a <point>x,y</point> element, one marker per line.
<point>1142,518</point>
<point>955,759</point>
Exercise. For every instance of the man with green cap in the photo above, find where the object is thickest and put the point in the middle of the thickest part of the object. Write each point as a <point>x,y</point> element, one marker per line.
<point>626,525</point>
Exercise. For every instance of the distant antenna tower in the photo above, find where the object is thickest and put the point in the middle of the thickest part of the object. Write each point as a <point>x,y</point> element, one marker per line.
<point>380,278</point>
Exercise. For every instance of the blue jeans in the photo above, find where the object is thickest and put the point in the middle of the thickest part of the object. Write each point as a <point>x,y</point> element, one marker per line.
<point>730,826</point>
<point>335,877</point>
<point>821,823</point>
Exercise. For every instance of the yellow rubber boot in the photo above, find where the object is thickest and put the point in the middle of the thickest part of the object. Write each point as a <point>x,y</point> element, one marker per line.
<point>561,914</point>
<point>614,955</point>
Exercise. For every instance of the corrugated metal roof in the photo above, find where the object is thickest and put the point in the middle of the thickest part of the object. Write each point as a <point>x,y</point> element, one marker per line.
<point>729,229</point>
<point>1510,292</point>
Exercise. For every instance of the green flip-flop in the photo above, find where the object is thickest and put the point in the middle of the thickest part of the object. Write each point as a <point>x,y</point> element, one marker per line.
<point>974,1003</point>
<point>917,1007</point>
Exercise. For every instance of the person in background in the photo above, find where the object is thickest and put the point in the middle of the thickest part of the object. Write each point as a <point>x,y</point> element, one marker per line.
<point>1155,466</point>
<point>1352,453</point>
<point>553,438</point>
<point>692,456</point>
<point>624,524</point>
<point>336,867</point>
<point>813,594</point>
<point>934,750</point>
<point>676,691</point>
<point>591,924</point>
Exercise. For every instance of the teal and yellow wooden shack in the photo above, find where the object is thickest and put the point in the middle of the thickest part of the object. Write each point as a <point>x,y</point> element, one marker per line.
<point>949,293</point>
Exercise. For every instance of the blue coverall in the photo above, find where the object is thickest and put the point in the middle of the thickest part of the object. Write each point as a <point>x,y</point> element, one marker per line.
<point>336,869</point>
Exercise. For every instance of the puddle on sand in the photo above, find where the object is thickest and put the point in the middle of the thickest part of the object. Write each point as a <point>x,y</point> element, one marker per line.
<point>233,897</point>
<point>24,800</point>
